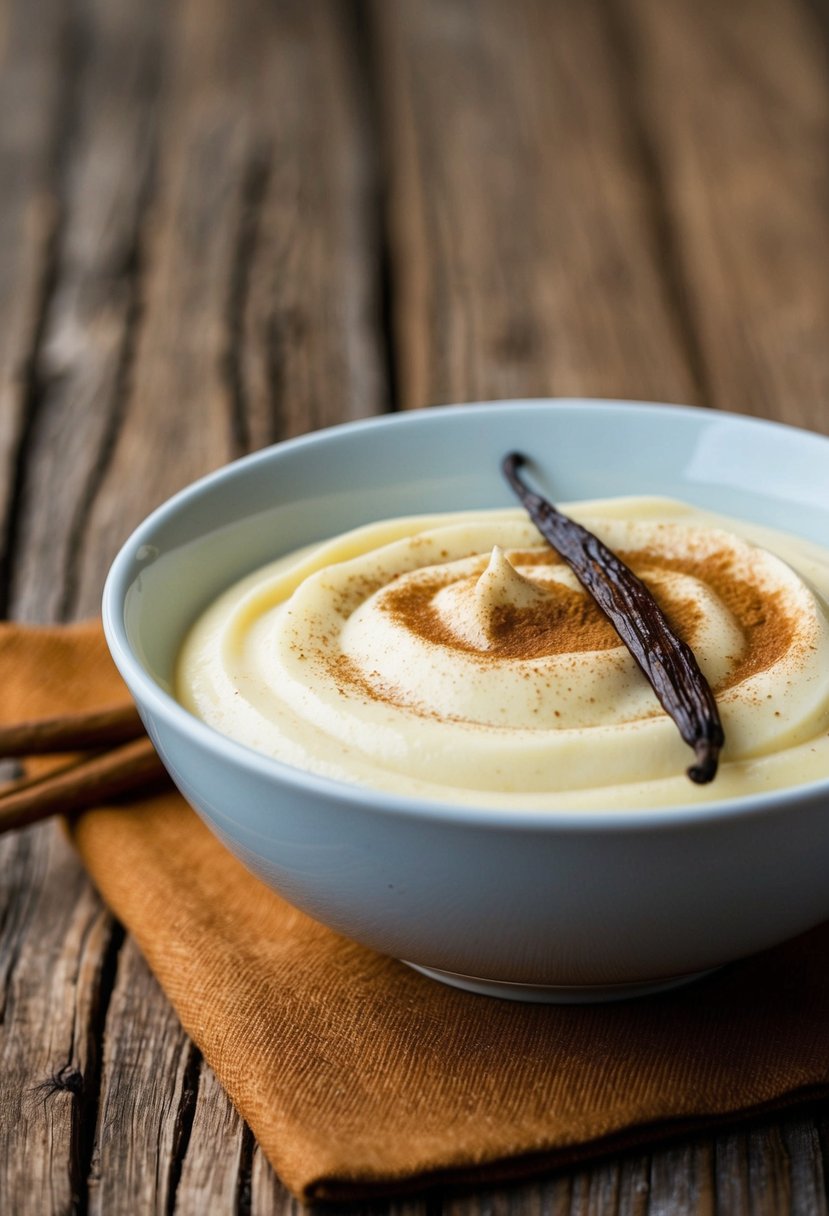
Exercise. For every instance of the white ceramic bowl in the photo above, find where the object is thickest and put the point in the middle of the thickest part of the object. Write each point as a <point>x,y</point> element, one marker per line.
<point>550,905</point>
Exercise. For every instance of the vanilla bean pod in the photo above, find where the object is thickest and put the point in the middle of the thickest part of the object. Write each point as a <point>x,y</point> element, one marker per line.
<point>669,665</point>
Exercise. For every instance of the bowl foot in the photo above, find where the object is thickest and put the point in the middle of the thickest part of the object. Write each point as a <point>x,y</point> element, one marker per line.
<point>559,994</point>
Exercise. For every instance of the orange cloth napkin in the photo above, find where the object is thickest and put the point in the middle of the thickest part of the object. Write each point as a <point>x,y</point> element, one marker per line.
<point>359,1076</point>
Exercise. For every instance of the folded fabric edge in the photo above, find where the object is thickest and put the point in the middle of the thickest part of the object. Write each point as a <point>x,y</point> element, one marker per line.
<point>530,1166</point>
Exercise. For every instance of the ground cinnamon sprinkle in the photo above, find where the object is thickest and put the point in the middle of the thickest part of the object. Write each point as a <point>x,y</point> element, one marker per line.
<point>567,622</point>
<point>760,615</point>
<point>570,622</point>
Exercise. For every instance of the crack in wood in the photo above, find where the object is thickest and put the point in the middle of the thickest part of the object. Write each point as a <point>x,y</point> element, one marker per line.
<point>818,12</point>
<point>185,1116</point>
<point>366,57</point>
<point>280,330</point>
<point>32,393</point>
<point>244,1191</point>
<point>253,192</point>
<point>85,1110</point>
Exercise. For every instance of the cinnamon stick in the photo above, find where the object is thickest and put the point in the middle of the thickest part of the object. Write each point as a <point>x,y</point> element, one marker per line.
<point>71,732</point>
<point>82,784</point>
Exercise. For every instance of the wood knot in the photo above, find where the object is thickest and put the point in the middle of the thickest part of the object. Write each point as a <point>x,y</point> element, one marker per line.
<point>67,1080</point>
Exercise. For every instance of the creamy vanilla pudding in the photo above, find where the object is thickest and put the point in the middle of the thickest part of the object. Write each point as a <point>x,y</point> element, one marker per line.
<point>456,657</point>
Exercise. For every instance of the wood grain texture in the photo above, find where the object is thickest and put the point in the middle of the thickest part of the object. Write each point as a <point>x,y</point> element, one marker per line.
<point>244,320</point>
<point>216,1168</point>
<point>174,423</point>
<point>306,345</point>
<point>54,954</point>
<point>807,1164</point>
<point>521,231</point>
<point>31,91</point>
<point>147,1095</point>
<point>267,1195</point>
<point>100,186</point>
<point>734,102</point>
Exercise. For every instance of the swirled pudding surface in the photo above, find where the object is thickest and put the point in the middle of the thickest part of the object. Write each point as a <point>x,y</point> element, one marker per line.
<point>456,657</point>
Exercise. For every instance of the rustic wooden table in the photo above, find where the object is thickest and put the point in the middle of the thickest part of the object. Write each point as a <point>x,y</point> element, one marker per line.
<point>223,224</point>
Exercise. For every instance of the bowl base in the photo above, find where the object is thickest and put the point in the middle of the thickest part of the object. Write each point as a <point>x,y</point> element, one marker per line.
<point>559,994</point>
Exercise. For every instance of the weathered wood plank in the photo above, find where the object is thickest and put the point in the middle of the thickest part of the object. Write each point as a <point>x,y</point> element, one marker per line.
<point>54,948</point>
<point>257,282</point>
<point>770,1168</point>
<point>215,1172</point>
<point>32,86</point>
<point>307,349</point>
<point>148,1092</point>
<point>607,1186</point>
<point>522,241</point>
<point>173,422</point>
<point>267,1195</point>
<point>807,1175</point>
<point>58,980</point>
<point>55,939</point>
<point>735,105</point>
<point>101,186</point>
<point>681,1179</point>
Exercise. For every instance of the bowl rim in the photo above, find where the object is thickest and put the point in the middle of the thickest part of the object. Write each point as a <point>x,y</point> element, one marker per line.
<point>144,688</point>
